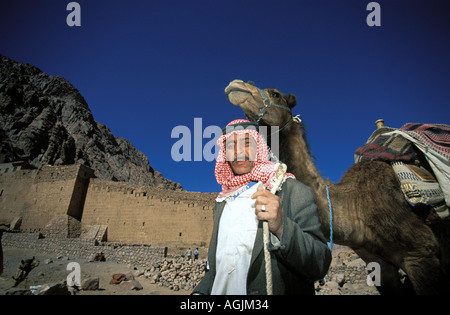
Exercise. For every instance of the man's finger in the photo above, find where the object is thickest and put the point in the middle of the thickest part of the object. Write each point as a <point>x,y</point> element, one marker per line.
<point>259,192</point>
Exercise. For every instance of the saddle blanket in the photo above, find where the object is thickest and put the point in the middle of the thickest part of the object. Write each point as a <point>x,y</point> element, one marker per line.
<point>389,144</point>
<point>402,147</point>
<point>420,187</point>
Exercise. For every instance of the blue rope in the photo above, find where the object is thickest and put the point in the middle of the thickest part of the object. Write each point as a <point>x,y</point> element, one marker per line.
<point>330,243</point>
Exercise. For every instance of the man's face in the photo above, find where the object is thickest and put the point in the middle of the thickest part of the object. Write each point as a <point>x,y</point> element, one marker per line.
<point>241,153</point>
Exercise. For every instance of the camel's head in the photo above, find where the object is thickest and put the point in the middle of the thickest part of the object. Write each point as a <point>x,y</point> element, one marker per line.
<point>249,98</point>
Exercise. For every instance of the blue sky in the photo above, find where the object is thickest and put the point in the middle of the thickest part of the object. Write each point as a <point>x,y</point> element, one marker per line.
<point>145,67</point>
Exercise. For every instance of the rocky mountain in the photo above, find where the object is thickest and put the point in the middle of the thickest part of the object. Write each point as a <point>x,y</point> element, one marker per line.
<point>45,120</point>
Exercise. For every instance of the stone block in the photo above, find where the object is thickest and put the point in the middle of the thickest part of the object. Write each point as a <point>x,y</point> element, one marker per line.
<point>91,284</point>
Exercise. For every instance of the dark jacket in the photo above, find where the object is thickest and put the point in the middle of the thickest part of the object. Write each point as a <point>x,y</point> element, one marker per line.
<point>301,257</point>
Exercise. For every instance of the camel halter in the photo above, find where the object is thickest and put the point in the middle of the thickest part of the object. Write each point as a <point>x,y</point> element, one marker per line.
<point>267,104</point>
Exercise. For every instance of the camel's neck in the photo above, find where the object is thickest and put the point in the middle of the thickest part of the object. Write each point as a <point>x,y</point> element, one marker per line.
<point>294,151</point>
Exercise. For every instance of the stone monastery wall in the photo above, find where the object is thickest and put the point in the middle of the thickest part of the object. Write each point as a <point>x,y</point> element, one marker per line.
<point>131,214</point>
<point>149,216</point>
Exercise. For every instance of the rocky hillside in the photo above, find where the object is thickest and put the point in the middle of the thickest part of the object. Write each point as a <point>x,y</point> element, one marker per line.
<point>45,120</point>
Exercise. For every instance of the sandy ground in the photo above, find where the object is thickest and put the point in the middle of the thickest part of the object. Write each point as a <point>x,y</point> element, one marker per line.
<point>55,271</point>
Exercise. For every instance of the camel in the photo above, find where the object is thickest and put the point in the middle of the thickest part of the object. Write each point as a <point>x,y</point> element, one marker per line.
<point>370,213</point>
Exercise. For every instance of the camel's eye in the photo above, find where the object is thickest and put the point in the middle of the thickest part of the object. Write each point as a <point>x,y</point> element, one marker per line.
<point>275,94</point>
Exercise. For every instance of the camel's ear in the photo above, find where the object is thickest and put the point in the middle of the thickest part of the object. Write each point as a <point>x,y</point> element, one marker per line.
<point>291,100</point>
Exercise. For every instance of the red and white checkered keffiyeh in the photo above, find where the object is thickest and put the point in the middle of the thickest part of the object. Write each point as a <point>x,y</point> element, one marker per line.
<point>264,170</point>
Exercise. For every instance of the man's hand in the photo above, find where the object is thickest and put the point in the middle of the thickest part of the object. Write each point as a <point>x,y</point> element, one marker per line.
<point>268,208</point>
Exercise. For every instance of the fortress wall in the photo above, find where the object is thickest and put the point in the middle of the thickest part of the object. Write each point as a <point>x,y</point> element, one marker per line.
<point>133,214</point>
<point>145,215</point>
<point>36,195</point>
<point>14,192</point>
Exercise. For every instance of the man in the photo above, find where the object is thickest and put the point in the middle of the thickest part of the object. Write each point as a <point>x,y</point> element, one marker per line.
<point>189,254</point>
<point>196,254</point>
<point>299,254</point>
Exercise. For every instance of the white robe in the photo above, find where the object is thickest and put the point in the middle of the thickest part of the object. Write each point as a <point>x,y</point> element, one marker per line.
<point>236,237</point>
